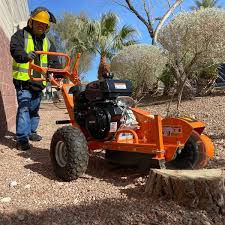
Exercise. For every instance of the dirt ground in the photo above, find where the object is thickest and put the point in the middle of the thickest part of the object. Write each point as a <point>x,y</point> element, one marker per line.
<point>31,194</point>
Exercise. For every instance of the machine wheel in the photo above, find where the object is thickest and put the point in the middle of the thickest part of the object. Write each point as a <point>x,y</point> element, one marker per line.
<point>192,156</point>
<point>69,153</point>
<point>131,159</point>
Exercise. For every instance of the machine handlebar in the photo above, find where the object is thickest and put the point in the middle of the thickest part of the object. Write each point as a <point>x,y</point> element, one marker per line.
<point>48,73</point>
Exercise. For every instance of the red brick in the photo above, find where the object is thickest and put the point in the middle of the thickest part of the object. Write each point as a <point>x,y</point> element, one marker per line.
<point>8,103</point>
<point>10,113</point>
<point>11,124</point>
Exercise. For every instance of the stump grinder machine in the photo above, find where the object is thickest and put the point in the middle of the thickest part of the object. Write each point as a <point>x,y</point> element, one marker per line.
<point>102,115</point>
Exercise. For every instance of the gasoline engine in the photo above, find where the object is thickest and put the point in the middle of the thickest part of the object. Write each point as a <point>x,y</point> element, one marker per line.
<point>102,106</point>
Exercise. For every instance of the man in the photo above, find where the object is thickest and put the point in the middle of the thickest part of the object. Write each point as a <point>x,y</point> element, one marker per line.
<point>23,45</point>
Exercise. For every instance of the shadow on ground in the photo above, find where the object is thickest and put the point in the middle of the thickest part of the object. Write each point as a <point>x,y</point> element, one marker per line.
<point>216,163</point>
<point>117,175</point>
<point>8,140</point>
<point>114,211</point>
<point>39,162</point>
<point>217,136</point>
<point>39,158</point>
<point>98,167</point>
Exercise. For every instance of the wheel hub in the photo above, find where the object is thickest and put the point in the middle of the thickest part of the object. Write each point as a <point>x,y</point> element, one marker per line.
<point>61,154</point>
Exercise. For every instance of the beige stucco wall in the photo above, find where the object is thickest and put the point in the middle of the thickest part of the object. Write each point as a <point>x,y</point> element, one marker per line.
<point>12,13</point>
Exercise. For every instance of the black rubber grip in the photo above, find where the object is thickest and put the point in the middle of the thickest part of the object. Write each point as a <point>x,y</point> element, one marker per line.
<point>63,121</point>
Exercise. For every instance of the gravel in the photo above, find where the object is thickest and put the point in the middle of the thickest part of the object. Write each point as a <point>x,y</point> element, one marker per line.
<point>31,194</point>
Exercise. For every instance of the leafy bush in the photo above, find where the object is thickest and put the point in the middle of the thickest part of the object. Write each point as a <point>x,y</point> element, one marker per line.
<point>194,41</point>
<point>167,78</point>
<point>205,80</point>
<point>142,64</point>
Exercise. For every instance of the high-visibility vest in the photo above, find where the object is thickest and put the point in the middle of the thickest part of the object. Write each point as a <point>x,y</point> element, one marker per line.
<point>20,70</point>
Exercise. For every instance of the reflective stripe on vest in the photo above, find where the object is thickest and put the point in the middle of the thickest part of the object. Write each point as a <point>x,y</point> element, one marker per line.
<point>20,70</point>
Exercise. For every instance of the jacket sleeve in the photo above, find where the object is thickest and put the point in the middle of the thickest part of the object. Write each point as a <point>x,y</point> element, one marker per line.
<point>17,47</point>
<point>53,61</point>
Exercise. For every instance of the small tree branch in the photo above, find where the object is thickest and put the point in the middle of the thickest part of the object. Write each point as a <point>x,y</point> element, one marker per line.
<point>147,11</point>
<point>165,17</point>
<point>169,4</point>
<point>148,25</point>
<point>121,5</point>
<point>187,69</point>
<point>179,97</point>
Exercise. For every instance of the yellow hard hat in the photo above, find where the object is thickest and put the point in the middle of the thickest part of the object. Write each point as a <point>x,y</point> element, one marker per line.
<point>42,16</point>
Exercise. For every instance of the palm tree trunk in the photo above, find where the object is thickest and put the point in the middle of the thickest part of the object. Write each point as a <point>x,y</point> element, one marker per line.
<point>103,68</point>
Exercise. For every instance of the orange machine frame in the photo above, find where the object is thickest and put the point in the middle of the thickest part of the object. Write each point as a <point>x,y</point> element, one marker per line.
<point>155,135</point>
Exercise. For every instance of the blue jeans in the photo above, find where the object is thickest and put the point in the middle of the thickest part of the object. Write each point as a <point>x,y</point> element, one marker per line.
<point>27,118</point>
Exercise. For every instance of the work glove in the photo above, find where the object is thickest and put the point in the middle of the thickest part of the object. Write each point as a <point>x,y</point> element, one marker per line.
<point>32,55</point>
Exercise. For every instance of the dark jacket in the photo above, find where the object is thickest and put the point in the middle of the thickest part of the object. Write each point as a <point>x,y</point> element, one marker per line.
<point>20,56</point>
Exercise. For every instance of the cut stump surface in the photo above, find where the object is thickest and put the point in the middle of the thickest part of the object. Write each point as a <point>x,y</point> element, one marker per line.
<point>204,189</point>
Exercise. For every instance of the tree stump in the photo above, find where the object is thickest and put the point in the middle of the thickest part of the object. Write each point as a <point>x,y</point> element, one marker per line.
<point>204,189</point>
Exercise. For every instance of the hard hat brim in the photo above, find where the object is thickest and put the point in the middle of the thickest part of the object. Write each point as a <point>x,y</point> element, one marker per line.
<point>47,23</point>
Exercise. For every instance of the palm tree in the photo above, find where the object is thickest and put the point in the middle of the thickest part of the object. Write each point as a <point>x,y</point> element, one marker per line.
<point>205,4</point>
<point>104,38</point>
<point>68,26</point>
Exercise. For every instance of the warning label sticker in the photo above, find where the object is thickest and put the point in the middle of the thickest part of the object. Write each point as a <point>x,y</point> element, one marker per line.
<point>172,130</point>
<point>120,86</point>
<point>113,127</point>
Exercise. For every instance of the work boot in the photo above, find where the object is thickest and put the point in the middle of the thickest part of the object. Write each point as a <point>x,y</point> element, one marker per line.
<point>35,137</point>
<point>22,145</point>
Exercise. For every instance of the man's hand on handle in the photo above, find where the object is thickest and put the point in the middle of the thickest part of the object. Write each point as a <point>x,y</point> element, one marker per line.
<point>54,81</point>
<point>32,55</point>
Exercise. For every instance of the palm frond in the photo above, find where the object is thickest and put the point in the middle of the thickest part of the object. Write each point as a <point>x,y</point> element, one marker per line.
<point>127,32</point>
<point>108,23</point>
<point>204,4</point>
<point>131,42</point>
